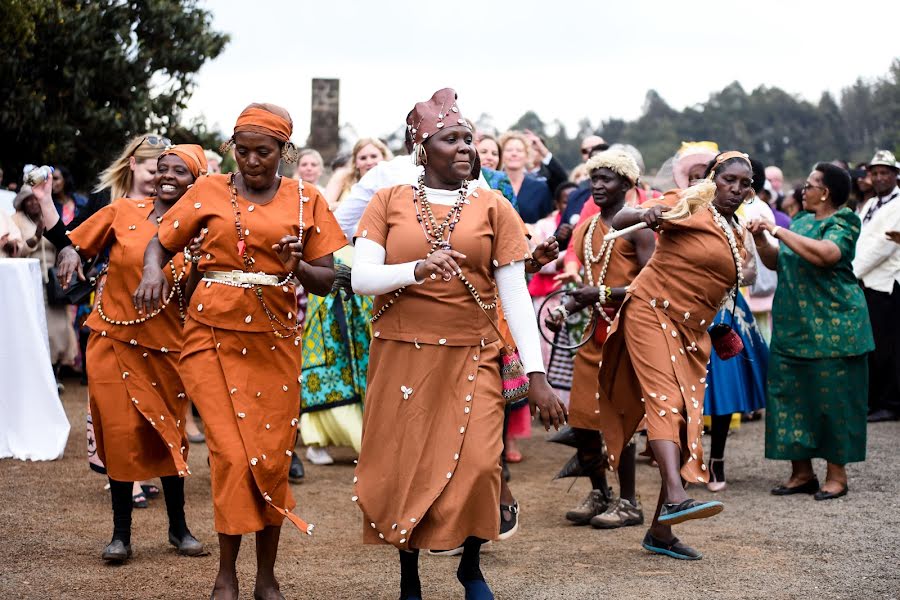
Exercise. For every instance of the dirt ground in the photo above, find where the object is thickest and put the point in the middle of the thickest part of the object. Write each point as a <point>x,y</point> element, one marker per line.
<point>55,518</point>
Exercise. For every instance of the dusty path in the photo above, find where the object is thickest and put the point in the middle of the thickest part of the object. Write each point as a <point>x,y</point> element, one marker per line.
<point>55,519</point>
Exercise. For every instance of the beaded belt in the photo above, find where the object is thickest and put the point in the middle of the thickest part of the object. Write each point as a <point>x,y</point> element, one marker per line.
<point>241,278</point>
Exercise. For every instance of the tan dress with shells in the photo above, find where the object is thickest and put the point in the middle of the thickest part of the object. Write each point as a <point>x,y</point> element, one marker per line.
<point>429,473</point>
<point>243,378</point>
<point>623,268</point>
<point>654,361</point>
<point>137,397</point>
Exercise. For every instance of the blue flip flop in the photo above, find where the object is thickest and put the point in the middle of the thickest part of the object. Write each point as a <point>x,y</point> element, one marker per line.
<point>476,589</point>
<point>675,548</point>
<point>672,514</point>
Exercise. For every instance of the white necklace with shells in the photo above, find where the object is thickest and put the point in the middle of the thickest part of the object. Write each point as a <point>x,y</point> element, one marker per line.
<point>590,259</point>
<point>735,253</point>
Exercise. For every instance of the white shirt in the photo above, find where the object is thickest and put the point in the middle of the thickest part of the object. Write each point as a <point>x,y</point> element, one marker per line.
<point>370,276</point>
<point>877,261</point>
<point>400,170</point>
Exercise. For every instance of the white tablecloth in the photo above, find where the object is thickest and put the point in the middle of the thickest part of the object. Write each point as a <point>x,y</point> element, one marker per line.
<point>33,424</point>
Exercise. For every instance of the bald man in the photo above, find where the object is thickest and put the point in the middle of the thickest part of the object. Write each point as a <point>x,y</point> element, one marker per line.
<point>776,178</point>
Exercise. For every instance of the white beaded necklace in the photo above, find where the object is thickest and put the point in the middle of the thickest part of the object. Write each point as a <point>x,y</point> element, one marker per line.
<point>590,259</point>
<point>735,253</point>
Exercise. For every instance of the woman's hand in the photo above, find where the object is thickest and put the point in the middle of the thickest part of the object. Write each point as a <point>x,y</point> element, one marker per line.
<point>653,216</point>
<point>758,229</point>
<point>290,251</point>
<point>543,402</point>
<point>197,244</point>
<point>67,263</point>
<point>152,290</point>
<point>554,319</point>
<point>546,251</point>
<point>894,236</point>
<point>441,263</point>
<point>570,275</point>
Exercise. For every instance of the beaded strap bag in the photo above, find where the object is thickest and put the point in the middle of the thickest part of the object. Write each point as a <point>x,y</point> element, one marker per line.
<point>725,340</point>
<point>512,371</point>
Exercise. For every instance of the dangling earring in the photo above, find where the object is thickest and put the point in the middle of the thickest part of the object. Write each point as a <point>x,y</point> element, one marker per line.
<point>421,156</point>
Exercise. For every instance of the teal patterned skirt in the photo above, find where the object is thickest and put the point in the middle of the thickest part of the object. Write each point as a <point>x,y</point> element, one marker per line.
<point>336,337</point>
<point>817,408</point>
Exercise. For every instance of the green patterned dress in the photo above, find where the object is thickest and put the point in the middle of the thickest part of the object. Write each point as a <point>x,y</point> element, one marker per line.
<point>336,335</point>
<point>818,375</point>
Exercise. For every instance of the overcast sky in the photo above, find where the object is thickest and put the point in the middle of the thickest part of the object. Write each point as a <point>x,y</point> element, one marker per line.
<point>564,59</point>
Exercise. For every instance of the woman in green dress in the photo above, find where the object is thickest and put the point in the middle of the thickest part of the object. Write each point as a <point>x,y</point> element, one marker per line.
<point>818,375</point>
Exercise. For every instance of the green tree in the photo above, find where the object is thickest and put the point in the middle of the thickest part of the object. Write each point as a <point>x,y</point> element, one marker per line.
<point>82,76</point>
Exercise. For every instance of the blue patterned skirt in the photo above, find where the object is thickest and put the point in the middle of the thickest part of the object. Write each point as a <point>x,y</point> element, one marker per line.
<point>738,385</point>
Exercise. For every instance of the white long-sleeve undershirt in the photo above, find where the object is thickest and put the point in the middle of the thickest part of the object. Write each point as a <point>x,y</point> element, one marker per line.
<point>370,276</point>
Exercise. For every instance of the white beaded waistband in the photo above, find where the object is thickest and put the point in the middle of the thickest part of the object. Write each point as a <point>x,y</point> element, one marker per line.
<point>241,278</point>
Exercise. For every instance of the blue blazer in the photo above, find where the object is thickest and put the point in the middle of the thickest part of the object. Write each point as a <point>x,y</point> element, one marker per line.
<point>534,199</point>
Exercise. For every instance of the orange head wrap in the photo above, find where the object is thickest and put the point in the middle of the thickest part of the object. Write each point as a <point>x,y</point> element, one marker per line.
<point>193,156</point>
<point>267,119</point>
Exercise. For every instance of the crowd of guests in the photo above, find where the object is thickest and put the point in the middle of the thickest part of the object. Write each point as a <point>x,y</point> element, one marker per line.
<point>736,295</point>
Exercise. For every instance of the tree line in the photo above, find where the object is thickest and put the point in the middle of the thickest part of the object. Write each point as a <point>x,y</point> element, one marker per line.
<point>78,78</point>
<point>772,125</point>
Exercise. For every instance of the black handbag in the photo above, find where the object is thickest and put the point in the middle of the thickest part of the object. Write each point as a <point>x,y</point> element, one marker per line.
<point>78,291</point>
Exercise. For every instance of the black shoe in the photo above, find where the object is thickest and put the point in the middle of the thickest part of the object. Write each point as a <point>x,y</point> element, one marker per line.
<point>675,548</point>
<point>296,473</point>
<point>116,552</point>
<point>881,415</point>
<point>823,495</point>
<point>188,545</point>
<point>810,487</point>
<point>565,436</point>
<point>673,514</point>
<point>509,528</point>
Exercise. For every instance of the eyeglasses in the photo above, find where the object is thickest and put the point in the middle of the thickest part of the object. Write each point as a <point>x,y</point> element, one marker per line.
<point>155,141</point>
<point>809,185</point>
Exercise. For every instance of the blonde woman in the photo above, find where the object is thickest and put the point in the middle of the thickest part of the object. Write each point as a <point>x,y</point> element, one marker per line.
<point>310,167</point>
<point>533,196</point>
<point>367,153</point>
<point>131,175</point>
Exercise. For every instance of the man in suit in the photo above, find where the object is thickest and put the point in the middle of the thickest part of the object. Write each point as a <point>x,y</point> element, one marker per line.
<point>877,266</point>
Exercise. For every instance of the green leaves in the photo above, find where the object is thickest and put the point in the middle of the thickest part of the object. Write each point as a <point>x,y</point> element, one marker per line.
<point>82,77</point>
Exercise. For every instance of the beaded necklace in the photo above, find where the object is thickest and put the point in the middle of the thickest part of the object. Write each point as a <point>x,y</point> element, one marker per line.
<point>434,234</point>
<point>735,252</point>
<point>176,289</point>
<point>590,259</point>
<point>249,262</point>
<point>433,231</point>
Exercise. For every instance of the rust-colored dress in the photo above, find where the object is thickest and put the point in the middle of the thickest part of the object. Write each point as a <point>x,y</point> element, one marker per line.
<point>654,360</point>
<point>429,472</point>
<point>623,268</point>
<point>243,378</point>
<point>137,397</point>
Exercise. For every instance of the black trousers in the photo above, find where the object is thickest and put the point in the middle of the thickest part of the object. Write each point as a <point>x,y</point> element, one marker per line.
<point>884,362</point>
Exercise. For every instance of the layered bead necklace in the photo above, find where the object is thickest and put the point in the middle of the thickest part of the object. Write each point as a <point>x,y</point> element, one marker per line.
<point>175,290</point>
<point>434,235</point>
<point>249,262</point>
<point>590,259</point>
<point>735,251</point>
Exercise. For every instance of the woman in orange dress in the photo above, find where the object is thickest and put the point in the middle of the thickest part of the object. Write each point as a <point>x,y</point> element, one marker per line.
<point>609,267</point>
<point>137,397</point>
<point>654,361</point>
<point>428,474</point>
<point>241,356</point>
